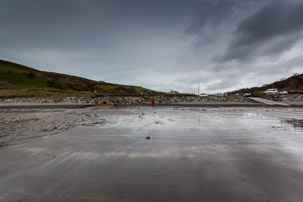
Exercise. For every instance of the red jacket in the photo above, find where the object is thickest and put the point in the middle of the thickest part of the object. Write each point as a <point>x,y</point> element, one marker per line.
<point>153,100</point>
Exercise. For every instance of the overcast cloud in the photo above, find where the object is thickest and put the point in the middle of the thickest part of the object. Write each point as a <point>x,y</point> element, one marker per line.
<point>221,44</point>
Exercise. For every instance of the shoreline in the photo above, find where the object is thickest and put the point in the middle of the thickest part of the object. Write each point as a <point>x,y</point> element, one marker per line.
<point>88,154</point>
<point>43,106</point>
<point>204,104</point>
<point>75,106</point>
<point>125,101</point>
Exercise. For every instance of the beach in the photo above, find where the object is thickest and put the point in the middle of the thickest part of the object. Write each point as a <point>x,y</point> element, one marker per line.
<point>192,154</point>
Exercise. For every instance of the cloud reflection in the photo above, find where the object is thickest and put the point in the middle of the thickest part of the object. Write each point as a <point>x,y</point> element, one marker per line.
<point>189,152</point>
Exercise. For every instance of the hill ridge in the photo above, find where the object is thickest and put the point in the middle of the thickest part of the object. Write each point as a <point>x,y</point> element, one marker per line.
<point>292,83</point>
<point>16,77</point>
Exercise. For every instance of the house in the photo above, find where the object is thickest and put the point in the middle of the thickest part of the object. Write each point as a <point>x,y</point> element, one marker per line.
<point>173,92</point>
<point>144,93</point>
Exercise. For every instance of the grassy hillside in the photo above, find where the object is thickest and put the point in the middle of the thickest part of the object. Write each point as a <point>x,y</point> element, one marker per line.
<point>21,81</point>
<point>293,83</point>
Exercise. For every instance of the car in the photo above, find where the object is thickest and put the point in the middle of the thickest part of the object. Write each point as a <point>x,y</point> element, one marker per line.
<point>271,91</point>
<point>284,93</point>
<point>246,95</point>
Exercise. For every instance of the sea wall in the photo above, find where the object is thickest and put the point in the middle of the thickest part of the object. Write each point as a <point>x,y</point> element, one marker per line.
<point>68,100</point>
<point>286,98</point>
<point>128,100</point>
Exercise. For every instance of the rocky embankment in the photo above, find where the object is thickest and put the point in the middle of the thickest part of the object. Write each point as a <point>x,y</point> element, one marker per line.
<point>128,100</point>
<point>286,98</point>
<point>68,100</point>
<point>16,124</point>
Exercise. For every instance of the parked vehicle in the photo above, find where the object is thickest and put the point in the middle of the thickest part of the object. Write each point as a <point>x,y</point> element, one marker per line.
<point>271,91</point>
<point>284,93</point>
<point>295,92</point>
<point>246,95</point>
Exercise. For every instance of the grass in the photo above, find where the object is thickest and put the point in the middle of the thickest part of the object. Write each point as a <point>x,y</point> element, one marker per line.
<point>41,93</point>
<point>107,87</point>
<point>11,69</point>
<point>21,81</point>
<point>137,89</point>
<point>140,89</point>
<point>258,93</point>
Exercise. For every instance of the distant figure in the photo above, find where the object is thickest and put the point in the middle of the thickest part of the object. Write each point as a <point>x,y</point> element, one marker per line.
<point>159,101</point>
<point>153,102</point>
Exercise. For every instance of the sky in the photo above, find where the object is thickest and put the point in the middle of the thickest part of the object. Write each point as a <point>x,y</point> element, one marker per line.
<point>160,44</point>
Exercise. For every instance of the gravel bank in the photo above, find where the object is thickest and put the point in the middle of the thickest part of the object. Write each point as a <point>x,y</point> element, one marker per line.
<point>20,124</point>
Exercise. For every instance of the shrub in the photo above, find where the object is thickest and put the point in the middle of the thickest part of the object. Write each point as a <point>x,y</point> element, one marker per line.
<point>31,75</point>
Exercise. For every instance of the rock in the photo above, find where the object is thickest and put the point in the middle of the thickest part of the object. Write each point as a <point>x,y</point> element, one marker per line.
<point>123,100</point>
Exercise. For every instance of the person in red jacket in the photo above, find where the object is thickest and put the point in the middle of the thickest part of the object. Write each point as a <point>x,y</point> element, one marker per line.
<point>153,101</point>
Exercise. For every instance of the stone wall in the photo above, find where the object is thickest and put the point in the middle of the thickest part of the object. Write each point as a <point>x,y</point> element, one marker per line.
<point>286,98</point>
<point>127,100</point>
<point>68,100</point>
<point>122,100</point>
<point>183,99</point>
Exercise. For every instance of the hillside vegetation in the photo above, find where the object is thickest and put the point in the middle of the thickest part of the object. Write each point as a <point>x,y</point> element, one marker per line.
<point>293,83</point>
<point>21,81</point>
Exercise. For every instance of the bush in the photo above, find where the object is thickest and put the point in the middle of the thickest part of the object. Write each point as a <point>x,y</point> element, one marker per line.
<point>128,90</point>
<point>31,75</point>
<point>55,84</point>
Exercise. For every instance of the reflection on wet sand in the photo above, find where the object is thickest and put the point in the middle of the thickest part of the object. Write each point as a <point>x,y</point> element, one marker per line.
<point>296,123</point>
<point>186,152</point>
<point>193,154</point>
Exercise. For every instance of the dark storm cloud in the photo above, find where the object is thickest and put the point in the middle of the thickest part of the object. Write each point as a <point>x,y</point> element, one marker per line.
<point>71,23</point>
<point>212,19</point>
<point>214,12</point>
<point>93,32</point>
<point>277,26</point>
<point>160,44</point>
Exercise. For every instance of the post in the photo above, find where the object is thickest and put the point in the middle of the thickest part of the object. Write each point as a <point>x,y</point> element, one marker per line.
<point>198,88</point>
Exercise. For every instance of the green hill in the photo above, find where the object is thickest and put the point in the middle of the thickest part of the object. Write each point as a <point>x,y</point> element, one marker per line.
<point>293,83</point>
<point>20,81</point>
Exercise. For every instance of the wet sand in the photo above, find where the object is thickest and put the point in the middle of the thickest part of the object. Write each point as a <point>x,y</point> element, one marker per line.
<point>42,106</point>
<point>19,124</point>
<point>194,154</point>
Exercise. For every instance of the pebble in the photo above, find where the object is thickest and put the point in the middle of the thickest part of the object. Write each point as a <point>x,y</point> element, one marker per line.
<point>127,100</point>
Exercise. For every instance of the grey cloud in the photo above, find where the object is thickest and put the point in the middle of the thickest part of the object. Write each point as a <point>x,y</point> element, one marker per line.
<point>213,13</point>
<point>221,85</point>
<point>213,17</point>
<point>70,24</point>
<point>277,19</point>
<point>164,45</point>
<point>281,43</point>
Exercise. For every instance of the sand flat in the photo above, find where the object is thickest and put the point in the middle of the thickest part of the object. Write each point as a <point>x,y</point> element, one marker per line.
<point>194,154</point>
